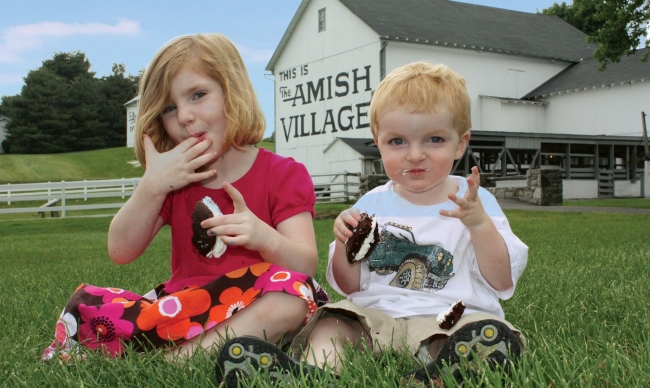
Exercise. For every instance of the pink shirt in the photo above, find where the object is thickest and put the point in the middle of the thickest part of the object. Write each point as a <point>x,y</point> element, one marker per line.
<point>275,189</point>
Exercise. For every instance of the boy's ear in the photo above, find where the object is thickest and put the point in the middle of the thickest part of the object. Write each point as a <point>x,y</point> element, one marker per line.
<point>462,144</point>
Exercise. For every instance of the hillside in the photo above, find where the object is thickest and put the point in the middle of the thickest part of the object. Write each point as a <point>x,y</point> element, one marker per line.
<point>110,163</point>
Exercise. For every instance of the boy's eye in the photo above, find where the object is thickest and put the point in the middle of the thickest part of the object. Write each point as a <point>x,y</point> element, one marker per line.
<point>396,142</point>
<point>168,108</point>
<point>198,95</point>
<point>435,139</point>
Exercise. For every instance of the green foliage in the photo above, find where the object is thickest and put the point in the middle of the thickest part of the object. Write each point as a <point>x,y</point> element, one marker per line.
<point>617,26</point>
<point>64,108</point>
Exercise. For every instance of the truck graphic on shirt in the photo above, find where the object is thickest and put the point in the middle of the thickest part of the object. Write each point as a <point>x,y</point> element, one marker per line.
<point>416,267</point>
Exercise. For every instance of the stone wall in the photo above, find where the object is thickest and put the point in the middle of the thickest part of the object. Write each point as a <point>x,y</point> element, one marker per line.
<point>369,182</point>
<point>543,186</point>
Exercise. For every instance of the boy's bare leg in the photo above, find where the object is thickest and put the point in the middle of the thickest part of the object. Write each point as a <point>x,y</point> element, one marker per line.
<point>327,339</point>
<point>273,317</point>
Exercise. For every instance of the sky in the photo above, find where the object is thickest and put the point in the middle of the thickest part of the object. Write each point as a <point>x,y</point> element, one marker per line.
<point>130,33</point>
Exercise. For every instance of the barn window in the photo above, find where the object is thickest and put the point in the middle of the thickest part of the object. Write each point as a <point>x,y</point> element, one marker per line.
<point>321,19</point>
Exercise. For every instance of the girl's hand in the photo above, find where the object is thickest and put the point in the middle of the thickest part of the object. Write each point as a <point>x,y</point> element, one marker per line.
<point>470,210</point>
<point>351,217</point>
<point>176,168</point>
<point>242,228</point>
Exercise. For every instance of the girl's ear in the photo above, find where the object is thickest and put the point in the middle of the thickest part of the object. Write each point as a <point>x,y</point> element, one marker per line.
<point>462,144</point>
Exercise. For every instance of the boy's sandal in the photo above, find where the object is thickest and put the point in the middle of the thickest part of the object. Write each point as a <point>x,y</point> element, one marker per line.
<point>487,341</point>
<point>245,356</point>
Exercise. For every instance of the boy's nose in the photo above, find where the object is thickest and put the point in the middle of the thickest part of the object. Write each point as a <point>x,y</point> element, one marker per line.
<point>415,154</point>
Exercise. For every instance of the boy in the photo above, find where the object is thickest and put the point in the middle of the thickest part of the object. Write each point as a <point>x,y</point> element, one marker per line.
<point>420,121</point>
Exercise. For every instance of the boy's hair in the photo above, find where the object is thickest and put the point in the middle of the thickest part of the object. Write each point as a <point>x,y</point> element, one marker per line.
<point>215,56</point>
<point>417,88</point>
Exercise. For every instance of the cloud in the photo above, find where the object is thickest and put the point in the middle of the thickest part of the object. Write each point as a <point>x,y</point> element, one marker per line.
<point>20,39</point>
<point>254,55</point>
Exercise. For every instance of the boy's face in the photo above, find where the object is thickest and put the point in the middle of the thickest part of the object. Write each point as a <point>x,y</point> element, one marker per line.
<point>418,151</point>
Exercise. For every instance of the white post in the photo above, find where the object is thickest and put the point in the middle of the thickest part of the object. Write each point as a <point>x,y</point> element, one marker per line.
<point>49,191</point>
<point>122,188</point>
<point>86,190</point>
<point>646,179</point>
<point>8,194</point>
<point>63,199</point>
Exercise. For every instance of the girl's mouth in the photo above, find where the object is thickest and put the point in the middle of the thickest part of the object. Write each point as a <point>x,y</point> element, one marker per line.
<point>200,135</point>
<point>414,170</point>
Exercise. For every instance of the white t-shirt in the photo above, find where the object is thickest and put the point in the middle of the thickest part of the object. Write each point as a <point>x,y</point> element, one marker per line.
<point>425,262</point>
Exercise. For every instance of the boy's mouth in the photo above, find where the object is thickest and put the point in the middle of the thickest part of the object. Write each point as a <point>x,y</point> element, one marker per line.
<point>414,171</point>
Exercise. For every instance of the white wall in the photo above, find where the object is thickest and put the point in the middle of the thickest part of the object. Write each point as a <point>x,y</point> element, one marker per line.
<point>342,157</point>
<point>131,117</point>
<point>603,111</point>
<point>305,125</point>
<point>627,189</point>
<point>579,189</point>
<point>499,75</point>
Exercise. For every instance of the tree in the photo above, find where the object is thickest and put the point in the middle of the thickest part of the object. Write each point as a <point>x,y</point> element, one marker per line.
<point>616,26</point>
<point>63,107</point>
<point>116,89</point>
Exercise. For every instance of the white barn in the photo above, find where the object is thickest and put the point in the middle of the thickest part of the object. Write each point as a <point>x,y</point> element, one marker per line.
<point>538,98</point>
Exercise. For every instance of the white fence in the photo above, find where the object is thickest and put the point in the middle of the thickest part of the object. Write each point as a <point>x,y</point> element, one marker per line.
<point>328,188</point>
<point>55,194</point>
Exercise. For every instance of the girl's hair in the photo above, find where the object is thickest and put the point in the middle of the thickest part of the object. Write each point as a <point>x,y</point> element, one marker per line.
<point>215,56</point>
<point>418,87</point>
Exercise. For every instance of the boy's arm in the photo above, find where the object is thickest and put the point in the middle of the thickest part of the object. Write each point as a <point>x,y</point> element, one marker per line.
<point>346,275</point>
<point>491,251</point>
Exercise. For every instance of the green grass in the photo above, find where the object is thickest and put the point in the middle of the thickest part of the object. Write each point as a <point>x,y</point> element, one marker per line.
<point>637,203</point>
<point>109,163</point>
<point>582,303</point>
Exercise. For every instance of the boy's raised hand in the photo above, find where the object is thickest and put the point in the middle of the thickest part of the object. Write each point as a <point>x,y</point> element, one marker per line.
<point>242,228</point>
<point>351,217</point>
<point>177,167</point>
<point>470,210</point>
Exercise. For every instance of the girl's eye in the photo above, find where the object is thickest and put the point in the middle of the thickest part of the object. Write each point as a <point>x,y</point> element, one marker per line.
<point>434,139</point>
<point>198,95</point>
<point>168,109</point>
<point>396,142</point>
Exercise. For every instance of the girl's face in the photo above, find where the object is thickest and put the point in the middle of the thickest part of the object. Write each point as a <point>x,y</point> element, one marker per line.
<point>195,109</point>
<point>418,151</point>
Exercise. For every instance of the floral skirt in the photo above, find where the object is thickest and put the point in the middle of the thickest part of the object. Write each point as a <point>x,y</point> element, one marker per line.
<point>107,318</point>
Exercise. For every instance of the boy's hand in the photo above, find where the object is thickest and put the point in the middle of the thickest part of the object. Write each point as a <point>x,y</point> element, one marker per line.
<point>177,167</point>
<point>470,210</point>
<point>242,228</point>
<point>351,217</point>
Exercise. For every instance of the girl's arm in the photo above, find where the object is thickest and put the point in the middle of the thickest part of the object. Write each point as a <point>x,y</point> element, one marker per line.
<point>292,245</point>
<point>138,221</point>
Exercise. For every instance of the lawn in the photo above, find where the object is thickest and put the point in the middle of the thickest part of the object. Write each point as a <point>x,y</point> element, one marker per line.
<point>582,303</point>
<point>637,203</point>
<point>109,163</point>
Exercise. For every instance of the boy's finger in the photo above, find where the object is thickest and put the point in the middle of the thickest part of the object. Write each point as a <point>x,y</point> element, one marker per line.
<point>237,199</point>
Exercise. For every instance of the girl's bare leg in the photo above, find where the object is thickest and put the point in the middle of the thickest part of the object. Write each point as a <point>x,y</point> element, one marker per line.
<point>274,317</point>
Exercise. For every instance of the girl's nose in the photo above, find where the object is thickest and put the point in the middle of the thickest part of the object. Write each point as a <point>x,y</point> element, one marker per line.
<point>185,116</point>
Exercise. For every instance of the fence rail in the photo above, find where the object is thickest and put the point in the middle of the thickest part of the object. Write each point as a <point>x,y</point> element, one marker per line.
<point>328,188</point>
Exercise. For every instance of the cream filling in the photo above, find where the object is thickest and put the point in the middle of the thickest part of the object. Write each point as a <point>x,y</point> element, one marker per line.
<point>441,317</point>
<point>219,246</point>
<point>367,242</point>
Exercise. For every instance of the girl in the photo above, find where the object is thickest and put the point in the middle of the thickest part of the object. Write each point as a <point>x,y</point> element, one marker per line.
<point>199,119</point>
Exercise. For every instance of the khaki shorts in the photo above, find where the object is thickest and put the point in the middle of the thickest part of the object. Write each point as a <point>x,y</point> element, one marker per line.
<point>385,331</point>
